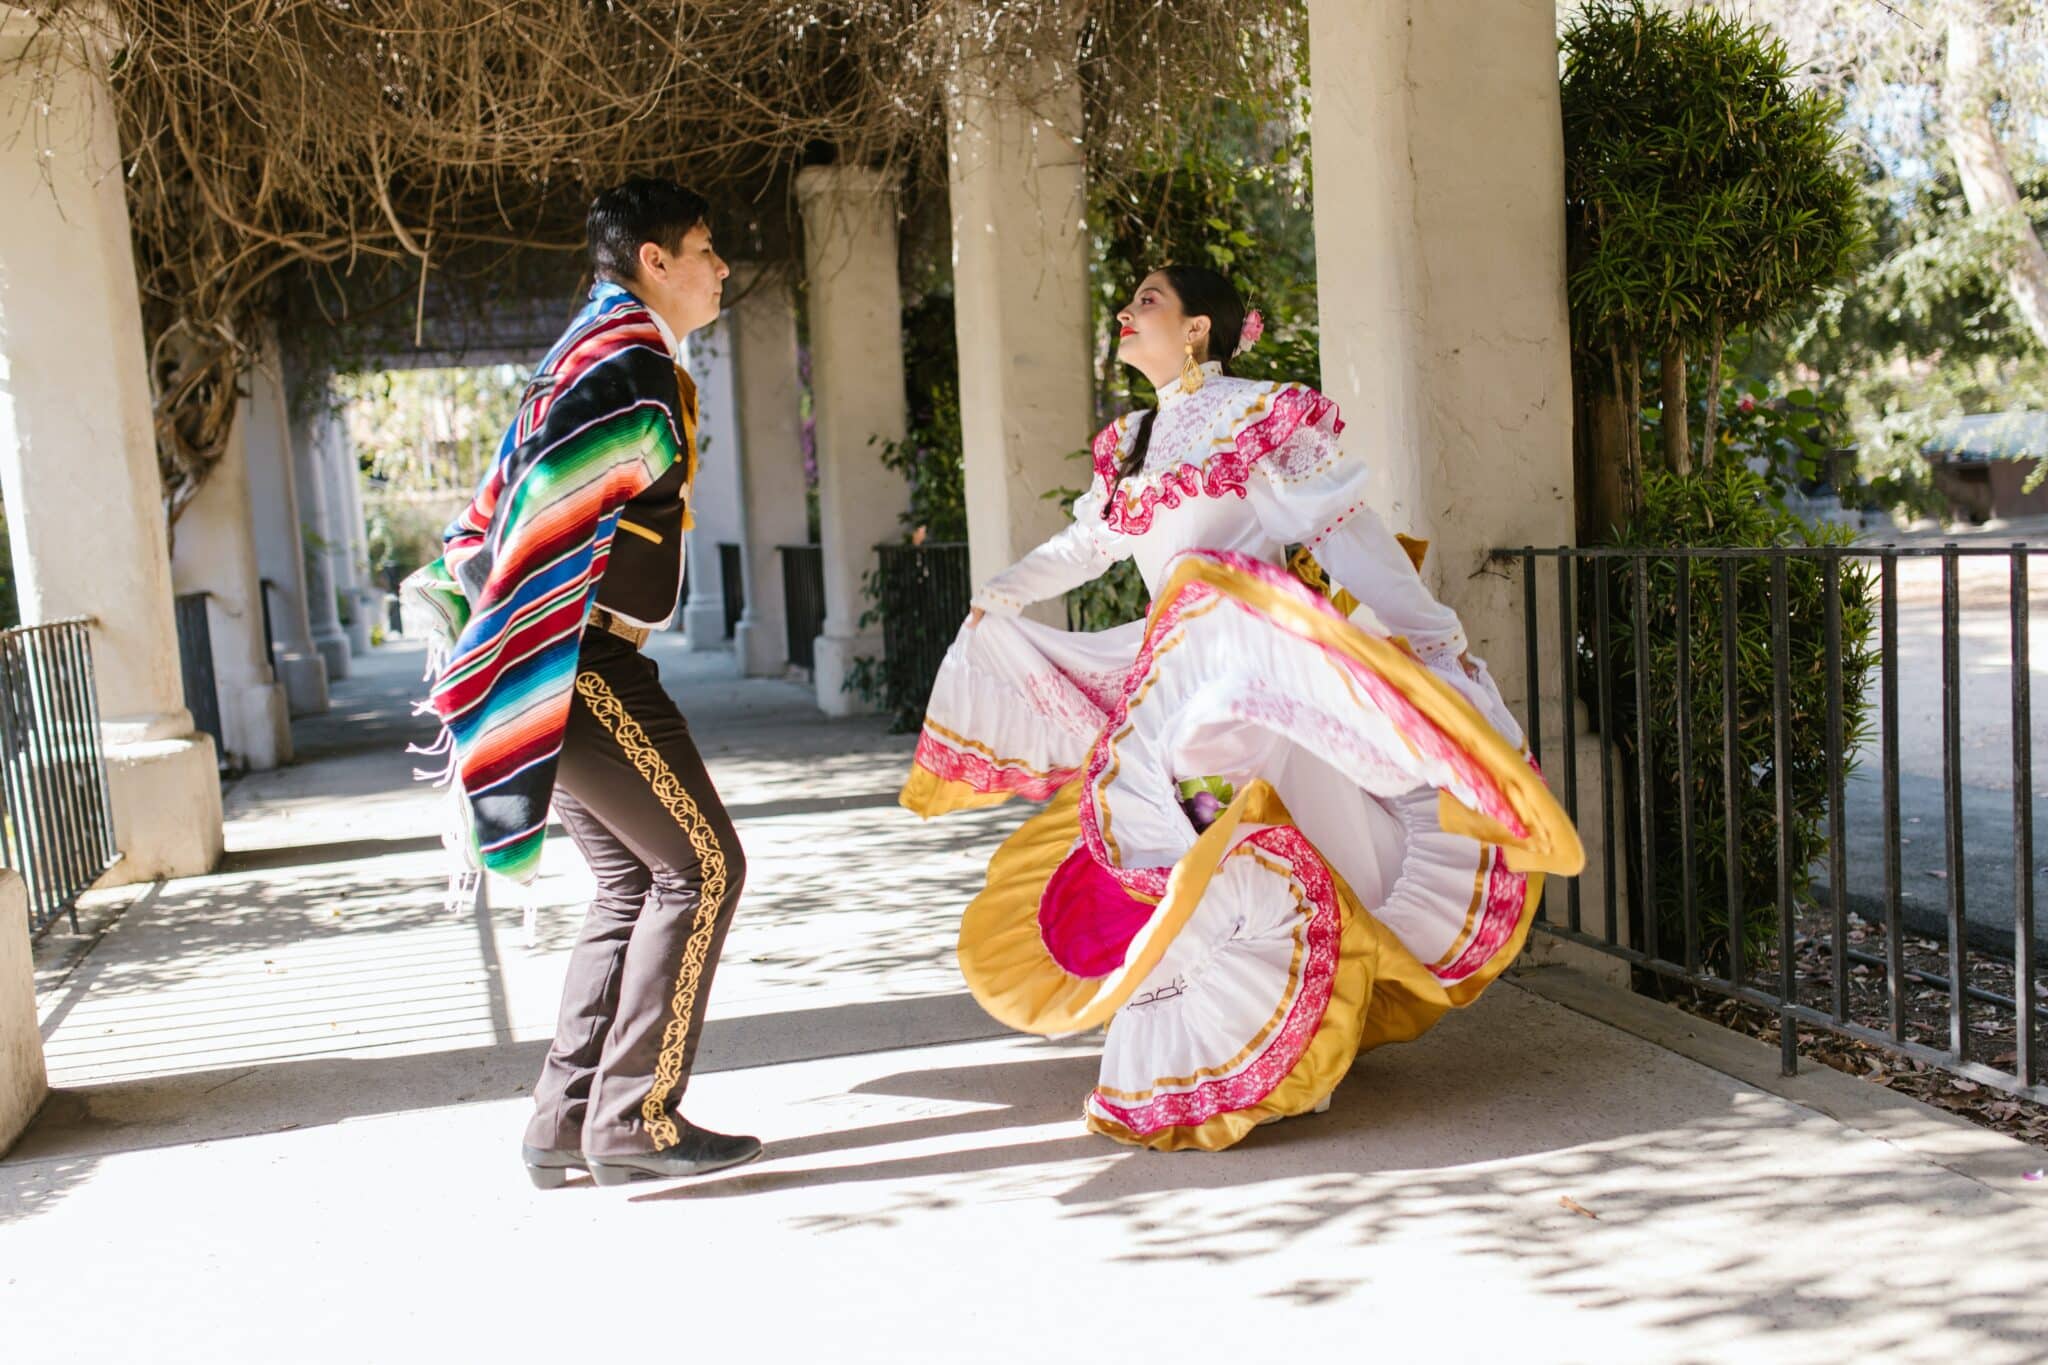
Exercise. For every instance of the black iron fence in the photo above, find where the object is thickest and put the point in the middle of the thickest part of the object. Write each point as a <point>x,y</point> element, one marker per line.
<point>732,586</point>
<point>59,830</point>
<point>803,600</point>
<point>195,665</point>
<point>921,592</point>
<point>1730,705</point>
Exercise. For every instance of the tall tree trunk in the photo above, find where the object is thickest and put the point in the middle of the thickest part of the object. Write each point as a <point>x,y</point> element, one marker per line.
<point>1676,415</point>
<point>1987,180</point>
<point>1632,389</point>
<point>1710,429</point>
<point>1600,433</point>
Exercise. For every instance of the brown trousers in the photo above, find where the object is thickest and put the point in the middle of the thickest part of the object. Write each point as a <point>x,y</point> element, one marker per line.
<point>636,800</point>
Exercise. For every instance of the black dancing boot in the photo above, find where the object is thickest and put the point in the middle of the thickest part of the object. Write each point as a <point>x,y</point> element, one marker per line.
<point>698,1152</point>
<point>548,1167</point>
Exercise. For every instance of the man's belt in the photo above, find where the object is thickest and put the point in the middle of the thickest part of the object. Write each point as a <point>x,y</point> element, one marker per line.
<point>600,619</point>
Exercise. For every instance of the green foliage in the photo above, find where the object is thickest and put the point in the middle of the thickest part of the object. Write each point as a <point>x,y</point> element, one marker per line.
<point>1236,199</point>
<point>10,604</point>
<point>1730,506</point>
<point>1704,191</point>
<point>1927,331</point>
<point>429,430</point>
<point>930,459</point>
<point>1704,195</point>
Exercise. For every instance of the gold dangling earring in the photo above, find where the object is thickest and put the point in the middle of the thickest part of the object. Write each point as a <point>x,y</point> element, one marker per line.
<point>1191,376</point>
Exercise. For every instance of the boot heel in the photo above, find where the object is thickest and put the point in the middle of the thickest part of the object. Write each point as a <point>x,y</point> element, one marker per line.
<point>606,1174</point>
<point>548,1177</point>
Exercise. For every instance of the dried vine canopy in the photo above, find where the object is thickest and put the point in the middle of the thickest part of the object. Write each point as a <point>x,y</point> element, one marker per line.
<point>267,137</point>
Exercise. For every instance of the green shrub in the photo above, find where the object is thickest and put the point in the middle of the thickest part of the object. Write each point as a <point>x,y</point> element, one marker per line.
<point>1728,505</point>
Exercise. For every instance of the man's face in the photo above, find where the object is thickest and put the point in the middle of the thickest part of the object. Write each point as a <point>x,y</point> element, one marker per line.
<point>685,285</point>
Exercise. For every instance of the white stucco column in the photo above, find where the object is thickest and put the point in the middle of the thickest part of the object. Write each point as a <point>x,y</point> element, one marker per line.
<point>769,393</point>
<point>280,552</point>
<point>1439,215</point>
<point>312,421</point>
<point>78,455</point>
<point>1439,220</point>
<point>213,550</point>
<point>715,498</point>
<point>24,1076</point>
<point>856,316</point>
<point>1020,285</point>
<point>346,544</point>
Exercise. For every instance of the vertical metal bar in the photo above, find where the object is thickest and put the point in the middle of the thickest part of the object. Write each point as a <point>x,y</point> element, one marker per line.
<point>1646,767</point>
<point>1568,689</point>
<point>1781,766</point>
<point>2025,1064</point>
<point>1731,793</point>
<point>1952,799</point>
<point>1532,659</point>
<point>13,773</point>
<point>1888,671</point>
<point>1603,668</point>
<point>1838,860</point>
<point>64,811</point>
<point>1687,889</point>
<point>104,800</point>
<point>41,760</point>
<point>76,773</point>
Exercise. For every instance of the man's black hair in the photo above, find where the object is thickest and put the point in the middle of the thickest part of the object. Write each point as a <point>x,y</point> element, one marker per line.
<point>644,209</point>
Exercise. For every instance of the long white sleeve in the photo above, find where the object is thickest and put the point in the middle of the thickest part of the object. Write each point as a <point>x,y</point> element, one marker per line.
<point>1085,550</point>
<point>1308,492</point>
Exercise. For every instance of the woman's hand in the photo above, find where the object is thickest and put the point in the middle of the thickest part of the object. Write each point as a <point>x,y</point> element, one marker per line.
<point>974,617</point>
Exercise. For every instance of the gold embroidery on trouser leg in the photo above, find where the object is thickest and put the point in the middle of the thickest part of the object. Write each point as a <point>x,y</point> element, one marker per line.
<point>626,732</point>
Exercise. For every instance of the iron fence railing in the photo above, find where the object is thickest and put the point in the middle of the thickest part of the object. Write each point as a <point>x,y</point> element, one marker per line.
<point>59,828</point>
<point>803,600</point>
<point>195,666</point>
<point>732,586</point>
<point>1725,699</point>
<point>922,592</point>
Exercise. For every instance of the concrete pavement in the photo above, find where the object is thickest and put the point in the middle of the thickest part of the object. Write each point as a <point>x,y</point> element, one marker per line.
<point>290,1097</point>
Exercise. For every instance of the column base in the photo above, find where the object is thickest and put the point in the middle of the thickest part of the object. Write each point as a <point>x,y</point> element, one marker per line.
<point>762,647</point>
<point>358,630</point>
<point>24,1079</point>
<point>334,652</point>
<point>305,682</point>
<point>167,813</point>
<point>260,728</point>
<point>704,627</point>
<point>836,655</point>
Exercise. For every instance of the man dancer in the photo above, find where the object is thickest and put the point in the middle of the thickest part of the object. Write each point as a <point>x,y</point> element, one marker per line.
<point>570,552</point>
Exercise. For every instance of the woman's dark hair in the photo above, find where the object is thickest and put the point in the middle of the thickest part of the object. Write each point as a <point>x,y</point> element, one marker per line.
<point>1203,294</point>
<point>643,209</point>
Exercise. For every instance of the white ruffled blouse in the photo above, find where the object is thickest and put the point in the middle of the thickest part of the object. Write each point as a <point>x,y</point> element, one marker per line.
<point>1246,466</point>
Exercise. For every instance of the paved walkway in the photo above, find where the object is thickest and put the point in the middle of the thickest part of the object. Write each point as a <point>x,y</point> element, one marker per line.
<point>290,1096</point>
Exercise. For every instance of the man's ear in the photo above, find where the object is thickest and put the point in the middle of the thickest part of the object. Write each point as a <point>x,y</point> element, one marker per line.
<point>651,259</point>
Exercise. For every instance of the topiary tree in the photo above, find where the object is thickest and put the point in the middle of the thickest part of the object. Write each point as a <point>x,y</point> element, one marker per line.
<point>1703,195</point>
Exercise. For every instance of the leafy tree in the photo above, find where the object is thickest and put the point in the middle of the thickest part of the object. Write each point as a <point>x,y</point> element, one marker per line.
<point>1704,195</point>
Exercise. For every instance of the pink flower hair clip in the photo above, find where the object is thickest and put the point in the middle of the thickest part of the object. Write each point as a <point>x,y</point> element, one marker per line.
<point>1248,335</point>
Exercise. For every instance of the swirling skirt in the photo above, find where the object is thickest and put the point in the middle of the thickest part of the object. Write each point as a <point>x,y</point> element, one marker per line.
<point>1378,861</point>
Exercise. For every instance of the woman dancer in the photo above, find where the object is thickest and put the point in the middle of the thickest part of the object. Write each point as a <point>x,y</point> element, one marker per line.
<point>1289,814</point>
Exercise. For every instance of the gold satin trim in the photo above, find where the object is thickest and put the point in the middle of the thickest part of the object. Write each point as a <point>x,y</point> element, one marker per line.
<point>928,795</point>
<point>669,790</point>
<point>1305,566</point>
<point>1416,549</point>
<point>638,530</point>
<point>686,390</point>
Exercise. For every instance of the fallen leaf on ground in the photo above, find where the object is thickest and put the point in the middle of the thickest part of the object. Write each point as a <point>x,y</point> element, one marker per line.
<point>1576,1207</point>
